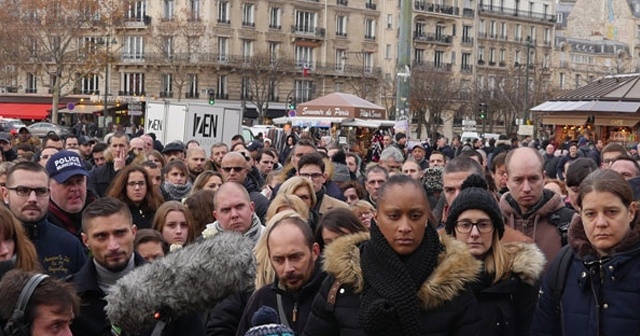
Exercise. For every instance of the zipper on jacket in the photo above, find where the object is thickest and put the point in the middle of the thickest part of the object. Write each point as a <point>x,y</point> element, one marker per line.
<point>295,312</point>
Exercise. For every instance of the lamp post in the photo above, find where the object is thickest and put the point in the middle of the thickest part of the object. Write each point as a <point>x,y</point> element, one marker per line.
<point>107,42</point>
<point>360,54</point>
<point>529,45</point>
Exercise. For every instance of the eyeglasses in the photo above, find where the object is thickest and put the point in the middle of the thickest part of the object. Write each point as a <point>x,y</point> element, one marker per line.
<point>366,214</point>
<point>313,176</point>
<point>134,184</point>
<point>229,169</point>
<point>26,191</point>
<point>483,225</point>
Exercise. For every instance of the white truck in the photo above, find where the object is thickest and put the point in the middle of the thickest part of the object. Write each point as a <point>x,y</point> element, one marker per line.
<point>208,124</point>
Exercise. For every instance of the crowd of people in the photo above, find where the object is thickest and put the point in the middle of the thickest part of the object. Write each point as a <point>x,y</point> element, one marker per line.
<point>502,238</point>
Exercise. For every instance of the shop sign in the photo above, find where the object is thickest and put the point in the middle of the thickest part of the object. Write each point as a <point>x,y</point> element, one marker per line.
<point>372,114</point>
<point>616,122</point>
<point>330,112</point>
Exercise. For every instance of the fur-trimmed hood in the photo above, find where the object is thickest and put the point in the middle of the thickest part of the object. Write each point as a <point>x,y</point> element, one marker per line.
<point>527,261</point>
<point>455,270</point>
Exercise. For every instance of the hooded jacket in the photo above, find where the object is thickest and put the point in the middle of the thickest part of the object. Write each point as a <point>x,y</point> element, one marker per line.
<point>507,306</point>
<point>449,308</point>
<point>600,296</point>
<point>535,223</point>
<point>253,183</point>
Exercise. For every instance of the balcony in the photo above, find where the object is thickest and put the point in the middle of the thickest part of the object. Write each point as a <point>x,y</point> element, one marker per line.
<point>370,5</point>
<point>342,2</point>
<point>521,14</point>
<point>432,66</point>
<point>166,94</point>
<point>246,24</point>
<point>141,21</point>
<point>369,37</point>
<point>466,40</point>
<point>468,12</point>
<point>466,68</point>
<point>436,8</point>
<point>225,22</point>
<point>432,38</point>
<point>275,26</point>
<point>502,64</point>
<point>133,58</point>
<point>308,32</point>
<point>482,35</point>
<point>341,34</point>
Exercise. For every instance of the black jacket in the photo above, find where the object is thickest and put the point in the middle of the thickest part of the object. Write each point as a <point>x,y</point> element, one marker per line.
<point>100,179</point>
<point>253,183</point>
<point>141,218</point>
<point>297,306</point>
<point>224,318</point>
<point>92,320</point>
<point>449,307</point>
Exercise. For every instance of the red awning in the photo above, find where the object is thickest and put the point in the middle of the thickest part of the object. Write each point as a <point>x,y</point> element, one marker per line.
<point>24,111</point>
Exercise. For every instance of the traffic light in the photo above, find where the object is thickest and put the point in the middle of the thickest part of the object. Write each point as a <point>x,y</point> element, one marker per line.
<point>212,97</point>
<point>482,111</point>
<point>291,104</point>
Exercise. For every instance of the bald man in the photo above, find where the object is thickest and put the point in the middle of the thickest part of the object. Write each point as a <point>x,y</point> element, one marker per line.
<point>235,168</point>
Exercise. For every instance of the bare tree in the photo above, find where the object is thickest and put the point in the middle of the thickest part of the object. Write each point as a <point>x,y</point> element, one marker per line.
<point>388,93</point>
<point>262,73</point>
<point>56,40</point>
<point>433,92</point>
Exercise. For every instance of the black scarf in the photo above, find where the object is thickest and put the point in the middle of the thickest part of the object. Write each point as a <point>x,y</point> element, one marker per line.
<point>390,305</point>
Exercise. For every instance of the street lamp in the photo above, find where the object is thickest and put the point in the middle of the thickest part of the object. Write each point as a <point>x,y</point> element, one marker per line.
<point>529,45</point>
<point>107,42</point>
<point>360,55</point>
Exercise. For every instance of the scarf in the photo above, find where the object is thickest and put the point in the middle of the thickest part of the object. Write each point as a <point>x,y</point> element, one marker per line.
<point>389,304</point>
<point>254,232</point>
<point>177,191</point>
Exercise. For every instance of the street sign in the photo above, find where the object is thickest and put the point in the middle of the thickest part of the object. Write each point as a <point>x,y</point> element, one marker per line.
<point>71,106</point>
<point>292,113</point>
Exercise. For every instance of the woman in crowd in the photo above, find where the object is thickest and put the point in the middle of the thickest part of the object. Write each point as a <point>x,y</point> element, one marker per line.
<point>208,179</point>
<point>201,206</point>
<point>16,249</point>
<point>176,185</point>
<point>592,286</point>
<point>157,158</point>
<point>364,211</point>
<point>302,188</point>
<point>132,185</point>
<point>403,279</point>
<point>175,222</point>
<point>290,142</point>
<point>284,202</point>
<point>507,288</point>
<point>353,192</point>
<point>336,223</point>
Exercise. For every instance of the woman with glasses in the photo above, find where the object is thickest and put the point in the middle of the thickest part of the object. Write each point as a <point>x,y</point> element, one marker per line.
<point>592,286</point>
<point>133,186</point>
<point>507,288</point>
<point>364,211</point>
<point>303,188</point>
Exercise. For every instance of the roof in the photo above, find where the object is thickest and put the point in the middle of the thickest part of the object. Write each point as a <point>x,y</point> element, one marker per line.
<point>341,99</point>
<point>24,110</point>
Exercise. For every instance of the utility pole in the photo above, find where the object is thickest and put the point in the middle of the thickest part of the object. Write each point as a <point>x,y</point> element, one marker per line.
<point>403,87</point>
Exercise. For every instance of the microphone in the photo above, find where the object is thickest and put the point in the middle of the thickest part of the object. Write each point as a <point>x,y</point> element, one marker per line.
<point>192,279</point>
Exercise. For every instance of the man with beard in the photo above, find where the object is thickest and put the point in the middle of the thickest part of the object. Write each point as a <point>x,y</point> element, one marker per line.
<point>218,151</point>
<point>109,232</point>
<point>101,177</point>
<point>68,191</point>
<point>196,158</point>
<point>293,254</point>
<point>27,196</point>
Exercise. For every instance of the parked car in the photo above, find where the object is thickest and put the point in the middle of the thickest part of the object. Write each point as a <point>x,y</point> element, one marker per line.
<point>11,125</point>
<point>41,129</point>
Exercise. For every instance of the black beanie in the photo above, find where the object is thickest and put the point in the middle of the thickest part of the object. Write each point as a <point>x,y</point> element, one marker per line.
<point>475,195</point>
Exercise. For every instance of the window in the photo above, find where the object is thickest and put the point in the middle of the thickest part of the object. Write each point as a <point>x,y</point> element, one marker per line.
<point>547,36</point>
<point>518,33</point>
<point>303,90</point>
<point>480,54</point>
<point>440,32</point>
<point>167,46</point>
<point>247,50</point>
<point>245,89</point>
<point>389,21</point>
<point>453,57</point>
<point>438,58</point>
<point>577,80</point>
<point>275,18</point>
<point>466,34</point>
<point>133,48</point>
<point>559,17</point>
<point>492,29</point>
<point>466,60</point>
<point>562,80</point>
<point>169,6</point>
<point>273,90</point>
<point>370,29</point>
<point>387,51</point>
<point>194,10</point>
<point>545,10</point>
<point>223,12</point>
<point>132,84</point>
<point>167,86</point>
<point>532,33</point>
<point>421,28</point>
<point>89,84</point>
<point>492,55</point>
<point>305,22</point>
<point>304,57</point>
<point>274,51</point>
<point>516,57</point>
<point>137,11</point>
<point>32,83</point>
<point>223,49</point>
<point>531,8</point>
<point>341,59</point>
<point>341,25</point>
<point>248,19</point>
<point>368,62</point>
<point>503,31</point>
<point>502,58</point>
<point>418,56</point>
<point>221,88</point>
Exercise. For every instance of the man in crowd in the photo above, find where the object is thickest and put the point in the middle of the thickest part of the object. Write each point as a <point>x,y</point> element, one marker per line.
<point>528,207</point>
<point>312,167</point>
<point>137,146</point>
<point>499,173</point>
<point>386,141</point>
<point>108,232</point>
<point>293,254</point>
<point>218,151</point>
<point>265,159</point>
<point>86,145</point>
<point>234,211</point>
<point>27,196</point>
<point>391,159</point>
<point>610,153</point>
<point>25,137</point>
<point>148,143</point>
<point>173,151</point>
<point>572,155</point>
<point>44,155</point>
<point>8,152</point>
<point>155,173</point>
<point>437,159</point>
<point>101,177</point>
<point>49,310</point>
<point>419,153</point>
<point>68,179</point>
<point>374,176</point>
<point>442,145</point>
<point>235,168</point>
<point>551,161</point>
<point>53,140</point>
<point>626,166</point>
<point>453,174</point>
<point>98,154</point>
<point>196,159</point>
<point>412,169</point>
<point>302,148</point>
<point>71,142</point>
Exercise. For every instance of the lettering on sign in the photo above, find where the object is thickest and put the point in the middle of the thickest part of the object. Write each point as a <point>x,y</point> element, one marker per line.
<point>155,124</point>
<point>340,113</point>
<point>205,125</point>
<point>307,111</point>
<point>617,122</point>
<point>370,114</point>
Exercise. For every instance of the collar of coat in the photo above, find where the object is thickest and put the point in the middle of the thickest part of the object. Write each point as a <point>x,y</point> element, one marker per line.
<point>527,261</point>
<point>455,270</point>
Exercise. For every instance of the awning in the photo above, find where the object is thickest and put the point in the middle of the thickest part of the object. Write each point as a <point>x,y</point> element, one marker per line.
<point>615,121</point>
<point>307,121</point>
<point>24,111</point>
<point>370,123</point>
<point>564,120</point>
<point>84,109</point>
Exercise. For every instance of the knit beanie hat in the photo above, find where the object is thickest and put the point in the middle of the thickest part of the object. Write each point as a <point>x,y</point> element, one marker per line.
<point>265,321</point>
<point>432,178</point>
<point>475,195</point>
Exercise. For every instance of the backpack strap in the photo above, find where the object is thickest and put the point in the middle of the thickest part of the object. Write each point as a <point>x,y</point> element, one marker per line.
<point>333,294</point>
<point>558,272</point>
<point>561,219</point>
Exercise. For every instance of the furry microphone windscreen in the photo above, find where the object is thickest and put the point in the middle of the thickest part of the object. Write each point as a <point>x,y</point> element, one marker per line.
<point>192,279</point>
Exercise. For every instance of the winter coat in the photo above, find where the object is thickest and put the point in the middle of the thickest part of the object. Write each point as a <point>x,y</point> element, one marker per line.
<point>449,307</point>
<point>535,223</point>
<point>447,151</point>
<point>551,165</point>
<point>601,295</point>
<point>327,203</point>
<point>507,306</point>
<point>224,318</point>
<point>560,166</point>
<point>100,179</point>
<point>254,183</point>
<point>296,306</point>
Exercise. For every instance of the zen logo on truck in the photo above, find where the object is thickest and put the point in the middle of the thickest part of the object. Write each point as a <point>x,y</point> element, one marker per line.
<point>155,124</point>
<point>205,125</point>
